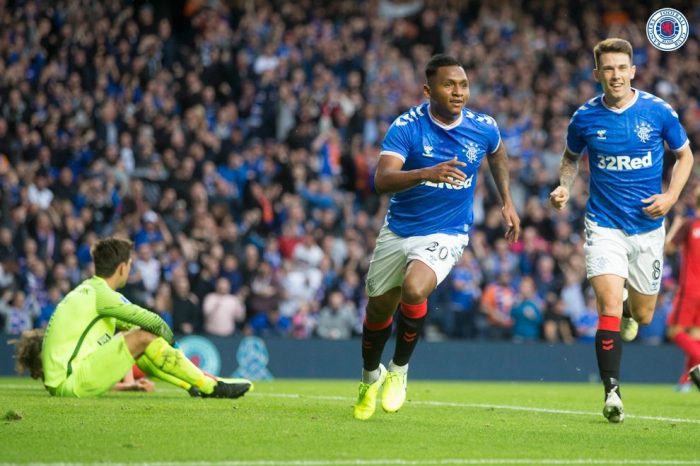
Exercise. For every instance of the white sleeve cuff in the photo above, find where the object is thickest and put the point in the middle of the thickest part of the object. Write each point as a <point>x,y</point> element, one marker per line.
<point>685,144</point>
<point>393,154</point>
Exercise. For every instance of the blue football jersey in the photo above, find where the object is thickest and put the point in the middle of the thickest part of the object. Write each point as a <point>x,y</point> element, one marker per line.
<point>422,141</point>
<point>626,151</point>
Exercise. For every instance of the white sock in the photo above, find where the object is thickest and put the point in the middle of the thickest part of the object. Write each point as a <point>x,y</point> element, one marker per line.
<point>370,376</point>
<point>394,368</point>
<point>625,294</point>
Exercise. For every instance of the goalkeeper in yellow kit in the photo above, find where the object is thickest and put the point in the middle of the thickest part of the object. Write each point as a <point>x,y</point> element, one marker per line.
<point>81,355</point>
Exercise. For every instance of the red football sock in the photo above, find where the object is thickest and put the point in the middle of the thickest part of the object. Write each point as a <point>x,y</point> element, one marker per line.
<point>409,325</point>
<point>374,337</point>
<point>688,345</point>
<point>608,350</point>
<point>684,379</point>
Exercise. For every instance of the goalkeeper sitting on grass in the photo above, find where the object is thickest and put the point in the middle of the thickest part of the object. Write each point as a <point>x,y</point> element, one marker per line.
<point>81,355</point>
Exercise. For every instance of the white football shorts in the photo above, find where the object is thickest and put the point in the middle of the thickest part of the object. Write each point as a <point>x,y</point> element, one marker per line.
<point>392,254</point>
<point>638,258</point>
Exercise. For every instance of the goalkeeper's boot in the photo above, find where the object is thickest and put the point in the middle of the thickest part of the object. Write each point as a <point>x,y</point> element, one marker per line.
<point>394,392</point>
<point>232,380</point>
<point>367,397</point>
<point>628,326</point>
<point>694,375</point>
<point>226,389</point>
<point>613,410</point>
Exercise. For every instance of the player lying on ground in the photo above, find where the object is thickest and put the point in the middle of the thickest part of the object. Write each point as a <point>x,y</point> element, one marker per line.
<point>81,355</point>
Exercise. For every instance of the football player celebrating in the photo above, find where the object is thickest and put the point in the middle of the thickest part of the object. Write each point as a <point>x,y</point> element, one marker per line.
<point>623,130</point>
<point>429,162</point>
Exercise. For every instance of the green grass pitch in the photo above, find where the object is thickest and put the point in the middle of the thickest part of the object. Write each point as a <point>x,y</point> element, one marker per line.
<point>309,422</point>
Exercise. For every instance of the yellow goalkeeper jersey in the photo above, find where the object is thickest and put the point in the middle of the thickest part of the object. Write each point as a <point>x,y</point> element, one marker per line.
<point>87,318</point>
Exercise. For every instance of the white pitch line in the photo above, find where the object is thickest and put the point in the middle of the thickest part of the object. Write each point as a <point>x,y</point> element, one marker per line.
<point>487,406</point>
<point>399,462</point>
<point>434,403</point>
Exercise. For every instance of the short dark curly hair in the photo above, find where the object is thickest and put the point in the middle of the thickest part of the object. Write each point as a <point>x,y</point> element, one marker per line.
<point>438,61</point>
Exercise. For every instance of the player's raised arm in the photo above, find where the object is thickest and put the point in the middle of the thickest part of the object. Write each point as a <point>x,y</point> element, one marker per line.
<point>389,178</point>
<point>498,164</point>
<point>567,174</point>
<point>660,204</point>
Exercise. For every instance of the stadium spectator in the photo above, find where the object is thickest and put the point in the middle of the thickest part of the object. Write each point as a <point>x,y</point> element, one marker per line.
<point>187,313</point>
<point>526,313</point>
<point>147,268</point>
<point>586,324</point>
<point>38,194</point>
<point>496,305</point>
<point>337,319</point>
<point>557,326</point>
<point>222,310</point>
<point>265,292</point>
<point>304,322</point>
<point>163,303</point>
<point>269,324</point>
<point>465,291</point>
<point>153,232</point>
<point>19,311</point>
<point>47,310</point>
<point>231,272</point>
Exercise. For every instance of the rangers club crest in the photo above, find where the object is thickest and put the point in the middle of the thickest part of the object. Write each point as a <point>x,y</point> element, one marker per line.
<point>202,352</point>
<point>643,131</point>
<point>667,29</point>
<point>472,152</point>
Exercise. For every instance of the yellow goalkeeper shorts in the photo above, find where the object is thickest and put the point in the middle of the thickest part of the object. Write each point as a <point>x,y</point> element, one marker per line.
<point>98,371</point>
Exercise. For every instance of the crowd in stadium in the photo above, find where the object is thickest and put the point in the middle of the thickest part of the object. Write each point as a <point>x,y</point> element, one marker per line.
<point>235,144</point>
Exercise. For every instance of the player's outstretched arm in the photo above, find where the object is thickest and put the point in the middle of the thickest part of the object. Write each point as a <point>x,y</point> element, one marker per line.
<point>660,204</point>
<point>498,164</point>
<point>389,178</point>
<point>567,173</point>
